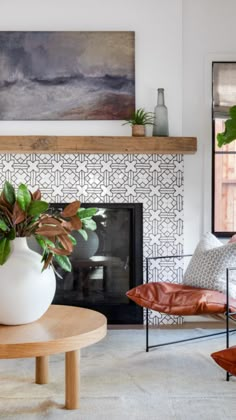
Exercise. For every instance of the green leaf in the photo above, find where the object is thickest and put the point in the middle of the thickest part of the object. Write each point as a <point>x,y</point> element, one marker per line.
<point>83,233</point>
<point>232,112</point>
<point>12,234</point>
<point>48,242</point>
<point>3,226</point>
<point>73,240</point>
<point>229,134</point>
<point>89,224</point>
<point>44,255</point>
<point>9,193</point>
<point>84,213</point>
<point>37,207</point>
<point>43,241</point>
<point>23,197</point>
<point>40,241</point>
<point>64,262</point>
<point>5,250</point>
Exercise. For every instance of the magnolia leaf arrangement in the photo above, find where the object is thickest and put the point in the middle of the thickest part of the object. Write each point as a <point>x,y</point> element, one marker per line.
<point>24,214</point>
<point>229,134</point>
<point>140,117</point>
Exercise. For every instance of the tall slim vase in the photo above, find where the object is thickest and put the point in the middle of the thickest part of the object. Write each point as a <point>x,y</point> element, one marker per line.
<point>25,291</point>
<point>160,126</point>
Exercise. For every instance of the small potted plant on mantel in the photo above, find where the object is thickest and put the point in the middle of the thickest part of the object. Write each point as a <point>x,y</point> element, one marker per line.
<point>138,120</point>
<point>27,279</point>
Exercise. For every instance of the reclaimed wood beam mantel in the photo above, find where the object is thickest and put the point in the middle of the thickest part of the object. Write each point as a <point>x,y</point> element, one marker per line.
<point>94,144</point>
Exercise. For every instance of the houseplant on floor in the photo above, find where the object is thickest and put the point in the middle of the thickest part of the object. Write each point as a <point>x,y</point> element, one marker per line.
<point>27,279</point>
<point>138,120</point>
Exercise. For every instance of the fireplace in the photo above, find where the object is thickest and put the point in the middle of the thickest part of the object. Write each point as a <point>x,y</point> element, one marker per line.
<point>106,265</point>
<point>154,180</point>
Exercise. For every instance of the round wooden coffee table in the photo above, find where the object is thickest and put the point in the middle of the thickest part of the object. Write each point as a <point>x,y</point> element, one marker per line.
<point>61,329</point>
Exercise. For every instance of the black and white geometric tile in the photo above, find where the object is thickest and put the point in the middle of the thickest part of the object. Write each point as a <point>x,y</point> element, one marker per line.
<point>154,180</point>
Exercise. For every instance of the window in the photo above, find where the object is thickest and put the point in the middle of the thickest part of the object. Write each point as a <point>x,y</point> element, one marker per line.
<point>224,159</point>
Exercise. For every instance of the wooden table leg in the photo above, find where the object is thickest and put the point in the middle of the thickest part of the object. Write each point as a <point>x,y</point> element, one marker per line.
<point>41,370</point>
<point>72,377</point>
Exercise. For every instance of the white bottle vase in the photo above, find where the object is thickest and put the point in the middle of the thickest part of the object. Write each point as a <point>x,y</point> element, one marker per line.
<point>25,291</point>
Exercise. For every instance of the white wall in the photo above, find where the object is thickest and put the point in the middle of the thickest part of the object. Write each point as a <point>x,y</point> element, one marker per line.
<point>158,28</point>
<point>209,34</point>
<point>175,40</point>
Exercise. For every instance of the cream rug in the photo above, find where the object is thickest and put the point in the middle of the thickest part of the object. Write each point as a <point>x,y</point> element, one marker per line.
<point>119,380</point>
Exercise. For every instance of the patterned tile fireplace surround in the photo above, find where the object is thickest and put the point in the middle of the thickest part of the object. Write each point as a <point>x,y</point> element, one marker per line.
<point>156,181</point>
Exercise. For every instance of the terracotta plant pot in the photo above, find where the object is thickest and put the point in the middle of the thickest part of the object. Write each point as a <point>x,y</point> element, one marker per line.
<point>138,130</point>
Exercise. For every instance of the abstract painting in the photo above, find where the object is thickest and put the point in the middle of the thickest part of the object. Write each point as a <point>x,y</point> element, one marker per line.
<point>67,75</point>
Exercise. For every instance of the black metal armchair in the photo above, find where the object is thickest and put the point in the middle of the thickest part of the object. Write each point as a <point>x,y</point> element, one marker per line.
<point>204,302</point>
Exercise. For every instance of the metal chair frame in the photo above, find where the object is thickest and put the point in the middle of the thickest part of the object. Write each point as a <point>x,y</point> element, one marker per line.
<point>228,314</point>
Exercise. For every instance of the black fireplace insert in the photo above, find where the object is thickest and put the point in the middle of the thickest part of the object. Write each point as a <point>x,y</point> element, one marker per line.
<point>107,265</point>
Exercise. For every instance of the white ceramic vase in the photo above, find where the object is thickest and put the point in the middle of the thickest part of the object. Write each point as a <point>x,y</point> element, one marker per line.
<point>25,291</point>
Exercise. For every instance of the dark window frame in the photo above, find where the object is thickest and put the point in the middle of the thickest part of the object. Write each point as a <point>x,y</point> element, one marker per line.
<point>220,234</point>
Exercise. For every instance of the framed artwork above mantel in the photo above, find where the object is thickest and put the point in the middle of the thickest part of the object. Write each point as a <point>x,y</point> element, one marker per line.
<point>67,75</point>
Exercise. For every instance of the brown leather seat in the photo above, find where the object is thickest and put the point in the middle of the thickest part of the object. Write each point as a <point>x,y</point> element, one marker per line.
<point>179,299</point>
<point>226,359</point>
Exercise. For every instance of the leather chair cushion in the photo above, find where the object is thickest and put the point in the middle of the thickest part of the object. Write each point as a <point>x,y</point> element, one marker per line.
<point>226,359</point>
<point>179,299</point>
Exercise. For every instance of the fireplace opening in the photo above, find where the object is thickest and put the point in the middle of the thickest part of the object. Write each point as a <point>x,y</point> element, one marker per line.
<point>107,265</point>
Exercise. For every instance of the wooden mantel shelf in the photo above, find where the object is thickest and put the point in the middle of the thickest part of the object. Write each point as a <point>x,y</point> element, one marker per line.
<point>94,144</point>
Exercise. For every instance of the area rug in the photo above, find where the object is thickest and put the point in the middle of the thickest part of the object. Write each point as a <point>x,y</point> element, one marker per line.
<point>119,380</point>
